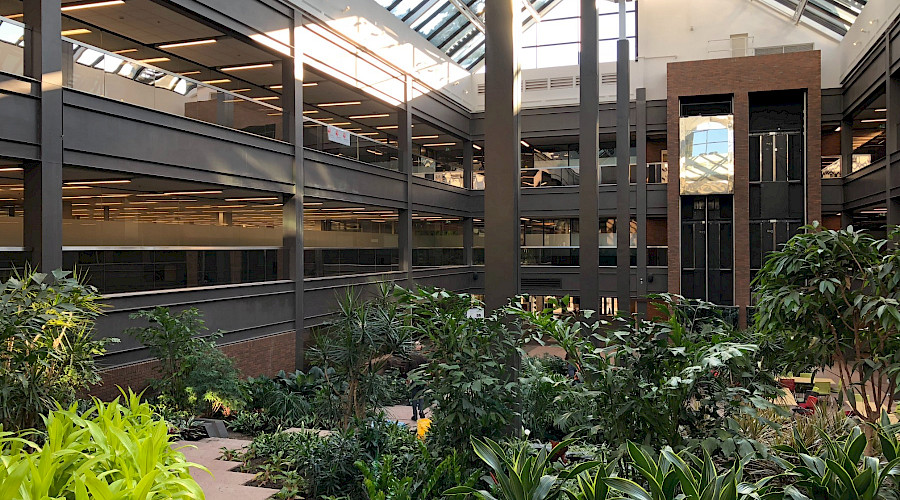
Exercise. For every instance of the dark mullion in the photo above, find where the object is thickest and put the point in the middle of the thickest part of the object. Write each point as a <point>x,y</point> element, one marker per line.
<point>414,14</point>
<point>450,20</point>
<point>480,46</point>
<point>456,34</point>
<point>464,41</point>
<point>433,15</point>
<point>393,6</point>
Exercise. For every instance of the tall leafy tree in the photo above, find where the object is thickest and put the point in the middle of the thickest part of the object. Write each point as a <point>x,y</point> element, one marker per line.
<point>830,298</point>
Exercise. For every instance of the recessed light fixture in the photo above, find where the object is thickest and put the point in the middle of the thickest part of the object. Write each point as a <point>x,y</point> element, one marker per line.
<point>79,31</point>
<point>345,103</point>
<point>154,60</point>
<point>186,44</point>
<point>439,144</point>
<point>96,183</point>
<point>213,82</point>
<point>248,66</point>
<point>91,5</point>
<point>362,117</point>
<point>267,198</point>
<point>125,51</point>
<point>180,193</point>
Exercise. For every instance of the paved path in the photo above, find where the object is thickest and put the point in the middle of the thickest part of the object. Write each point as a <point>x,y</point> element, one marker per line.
<point>402,414</point>
<point>224,484</point>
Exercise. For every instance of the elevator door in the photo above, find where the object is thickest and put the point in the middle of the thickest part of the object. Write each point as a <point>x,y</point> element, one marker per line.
<point>707,248</point>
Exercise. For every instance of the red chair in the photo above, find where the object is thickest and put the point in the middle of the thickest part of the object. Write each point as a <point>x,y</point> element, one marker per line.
<point>807,407</point>
<point>789,384</point>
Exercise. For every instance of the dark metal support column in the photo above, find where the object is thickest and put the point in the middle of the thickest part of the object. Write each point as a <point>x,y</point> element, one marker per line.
<point>623,159</point>
<point>43,179</point>
<point>404,221</point>
<point>892,142</point>
<point>589,154</point>
<point>292,121</point>
<point>846,145</point>
<point>468,222</point>
<point>502,152</point>
<point>641,199</point>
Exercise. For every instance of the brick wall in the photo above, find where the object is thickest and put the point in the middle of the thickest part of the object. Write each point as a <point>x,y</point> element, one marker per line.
<point>262,356</point>
<point>738,77</point>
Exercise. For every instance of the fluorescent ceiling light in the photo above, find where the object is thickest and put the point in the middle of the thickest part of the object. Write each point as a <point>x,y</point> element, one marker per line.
<point>79,31</point>
<point>874,120</point>
<point>387,127</point>
<point>91,5</point>
<point>339,124</point>
<point>213,82</point>
<point>267,198</point>
<point>179,193</point>
<point>310,84</point>
<point>476,146</point>
<point>426,137</point>
<point>15,16</point>
<point>154,60</point>
<point>881,110</point>
<point>525,144</point>
<point>95,183</point>
<point>248,66</point>
<point>186,44</point>
<point>241,90</point>
<point>11,169</point>
<point>345,103</point>
<point>438,144</point>
<point>368,133</point>
<point>275,114</point>
<point>186,73</point>
<point>269,98</point>
<point>362,117</point>
<point>124,51</point>
<point>76,187</point>
<point>310,112</point>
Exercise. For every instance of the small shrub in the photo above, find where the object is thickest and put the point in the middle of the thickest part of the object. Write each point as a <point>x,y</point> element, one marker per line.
<point>46,330</point>
<point>111,451</point>
<point>194,374</point>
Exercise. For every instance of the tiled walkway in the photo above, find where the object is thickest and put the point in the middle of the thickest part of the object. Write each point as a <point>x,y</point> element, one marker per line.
<point>223,484</point>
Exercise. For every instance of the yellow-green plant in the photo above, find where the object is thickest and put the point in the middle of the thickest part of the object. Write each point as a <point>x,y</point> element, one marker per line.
<point>112,451</point>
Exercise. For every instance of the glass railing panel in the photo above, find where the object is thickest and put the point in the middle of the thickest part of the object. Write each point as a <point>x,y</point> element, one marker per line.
<point>430,168</point>
<point>117,77</point>
<point>436,257</point>
<point>12,47</point>
<point>325,262</point>
<point>550,176</point>
<point>346,144</point>
<point>549,256</point>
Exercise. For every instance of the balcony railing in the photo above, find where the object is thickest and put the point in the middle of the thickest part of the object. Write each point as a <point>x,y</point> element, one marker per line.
<point>12,47</point>
<point>96,71</point>
<point>436,170</point>
<point>316,136</point>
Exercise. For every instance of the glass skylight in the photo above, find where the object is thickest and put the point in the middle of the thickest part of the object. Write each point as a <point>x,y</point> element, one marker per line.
<point>831,16</point>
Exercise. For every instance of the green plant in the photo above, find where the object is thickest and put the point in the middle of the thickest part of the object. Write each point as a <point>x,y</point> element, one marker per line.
<point>671,477</point>
<point>470,375</point>
<point>355,344</point>
<point>194,374</point>
<point>592,484</point>
<point>112,451</point>
<point>46,330</point>
<point>830,298</point>
<point>671,381</point>
<point>382,484</point>
<point>839,470</point>
<point>520,475</point>
<point>544,393</point>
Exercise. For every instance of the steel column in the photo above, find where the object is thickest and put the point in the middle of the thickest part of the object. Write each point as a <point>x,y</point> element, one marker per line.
<point>641,199</point>
<point>589,154</point>
<point>502,152</point>
<point>43,179</point>
<point>623,160</point>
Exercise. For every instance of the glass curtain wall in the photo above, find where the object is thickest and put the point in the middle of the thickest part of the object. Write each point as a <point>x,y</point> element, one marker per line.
<point>437,241</point>
<point>345,240</point>
<point>549,242</point>
<point>12,251</point>
<point>133,233</point>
